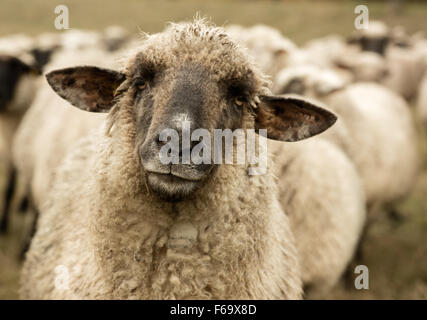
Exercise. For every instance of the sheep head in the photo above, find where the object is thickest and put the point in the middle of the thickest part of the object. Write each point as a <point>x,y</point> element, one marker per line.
<point>192,75</point>
<point>13,72</point>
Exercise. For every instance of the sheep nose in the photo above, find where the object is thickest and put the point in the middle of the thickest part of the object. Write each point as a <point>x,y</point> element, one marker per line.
<point>184,145</point>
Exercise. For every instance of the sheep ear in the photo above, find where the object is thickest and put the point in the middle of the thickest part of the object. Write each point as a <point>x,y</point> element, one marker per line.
<point>88,88</point>
<point>291,118</point>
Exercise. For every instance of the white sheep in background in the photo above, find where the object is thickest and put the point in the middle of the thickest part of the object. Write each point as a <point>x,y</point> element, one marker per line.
<point>269,48</point>
<point>320,190</point>
<point>388,137</point>
<point>363,65</point>
<point>18,46</point>
<point>18,86</point>
<point>125,228</point>
<point>115,37</point>
<point>378,135</point>
<point>405,64</point>
<point>35,168</point>
<point>406,67</point>
<point>320,52</point>
<point>375,38</point>
<point>75,39</point>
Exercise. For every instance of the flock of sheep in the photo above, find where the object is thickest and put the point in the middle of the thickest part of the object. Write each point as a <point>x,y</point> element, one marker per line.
<point>126,227</point>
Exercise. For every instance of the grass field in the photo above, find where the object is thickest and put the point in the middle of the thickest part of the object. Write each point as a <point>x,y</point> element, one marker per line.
<point>396,253</point>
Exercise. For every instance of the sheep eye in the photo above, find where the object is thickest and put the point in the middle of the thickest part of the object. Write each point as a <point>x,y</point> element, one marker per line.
<point>141,84</point>
<point>239,101</point>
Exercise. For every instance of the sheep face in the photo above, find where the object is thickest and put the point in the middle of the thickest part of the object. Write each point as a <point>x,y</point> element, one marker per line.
<point>307,80</point>
<point>377,45</point>
<point>374,39</point>
<point>13,72</point>
<point>189,77</point>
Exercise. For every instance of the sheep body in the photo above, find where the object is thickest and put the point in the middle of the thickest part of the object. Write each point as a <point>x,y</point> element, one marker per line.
<point>383,138</point>
<point>406,67</point>
<point>321,192</point>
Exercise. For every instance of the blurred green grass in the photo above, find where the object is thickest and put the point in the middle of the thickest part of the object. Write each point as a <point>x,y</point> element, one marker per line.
<point>396,254</point>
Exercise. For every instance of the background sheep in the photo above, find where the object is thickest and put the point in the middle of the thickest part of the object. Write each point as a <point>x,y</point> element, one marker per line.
<point>35,168</point>
<point>406,67</point>
<point>268,46</point>
<point>324,199</point>
<point>370,110</point>
<point>367,111</point>
<point>18,85</point>
<point>405,63</point>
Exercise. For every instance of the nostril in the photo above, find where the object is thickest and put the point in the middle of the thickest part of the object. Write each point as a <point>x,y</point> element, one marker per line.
<point>193,144</point>
<point>161,142</point>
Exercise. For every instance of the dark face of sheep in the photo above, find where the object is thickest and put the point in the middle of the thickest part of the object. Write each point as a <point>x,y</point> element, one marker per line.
<point>377,45</point>
<point>373,44</point>
<point>12,70</point>
<point>42,56</point>
<point>196,79</point>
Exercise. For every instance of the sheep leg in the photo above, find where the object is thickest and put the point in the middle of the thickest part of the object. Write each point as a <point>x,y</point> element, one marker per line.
<point>23,205</point>
<point>395,216</point>
<point>30,234</point>
<point>11,182</point>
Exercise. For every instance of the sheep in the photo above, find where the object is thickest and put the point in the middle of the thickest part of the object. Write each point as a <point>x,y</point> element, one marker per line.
<point>320,190</point>
<point>44,49</point>
<point>368,111</point>
<point>23,61</point>
<point>321,52</point>
<point>386,180</point>
<point>406,67</point>
<point>35,169</point>
<point>375,38</point>
<point>365,66</point>
<point>18,85</point>
<point>18,46</point>
<point>115,37</point>
<point>267,45</point>
<point>403,63</point>
<point>125,228</point>
<point>32,143</point>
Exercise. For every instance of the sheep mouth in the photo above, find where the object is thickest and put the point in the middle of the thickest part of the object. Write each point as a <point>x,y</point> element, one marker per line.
<point>178,172</point>
<point>173,176</point>
<point>170,187</point>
